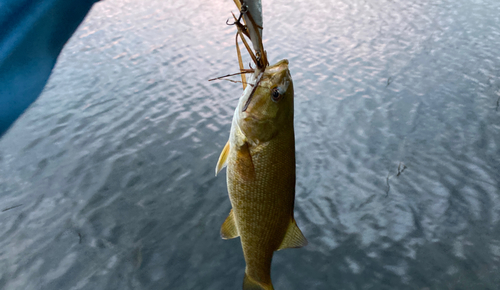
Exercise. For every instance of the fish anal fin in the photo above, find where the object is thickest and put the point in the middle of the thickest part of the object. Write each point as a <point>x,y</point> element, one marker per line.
<point>222,162</point>
<point>251,284</point>
<point>293,237</point>
<point>229,229</point>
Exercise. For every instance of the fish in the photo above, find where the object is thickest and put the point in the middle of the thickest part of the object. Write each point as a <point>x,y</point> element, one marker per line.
<point>260,170</point>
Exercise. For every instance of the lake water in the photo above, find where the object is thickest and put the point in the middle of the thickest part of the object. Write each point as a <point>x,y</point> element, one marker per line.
<point>112,169</point>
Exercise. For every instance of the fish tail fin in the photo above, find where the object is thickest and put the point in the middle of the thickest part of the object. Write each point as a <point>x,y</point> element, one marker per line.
<point>251,284</point>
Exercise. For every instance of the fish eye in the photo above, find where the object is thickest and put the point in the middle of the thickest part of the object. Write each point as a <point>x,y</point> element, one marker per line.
<point>275,95</point>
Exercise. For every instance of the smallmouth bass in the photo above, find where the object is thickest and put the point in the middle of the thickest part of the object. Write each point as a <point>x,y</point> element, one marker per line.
<point>260,160</point>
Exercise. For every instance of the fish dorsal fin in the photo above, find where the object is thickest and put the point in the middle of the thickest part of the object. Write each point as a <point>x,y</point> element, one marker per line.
<point>229,229</point>
<point>222,159</point>
<point>293,237</point>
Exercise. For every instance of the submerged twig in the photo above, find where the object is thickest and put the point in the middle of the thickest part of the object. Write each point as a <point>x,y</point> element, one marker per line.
<point>400,170</point>
<point>389,81</point>
<point>138,257</point>
<point>388,186</point>
<point>9,208</point>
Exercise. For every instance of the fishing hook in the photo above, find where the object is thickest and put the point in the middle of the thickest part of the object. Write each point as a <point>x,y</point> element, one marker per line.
<point>237,22</point>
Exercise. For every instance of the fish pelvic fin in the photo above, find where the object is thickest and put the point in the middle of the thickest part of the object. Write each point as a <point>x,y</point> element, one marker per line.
<point>293,237</point>
<point>251,284</point>
<point>222,159</point>
<point>229,229</point>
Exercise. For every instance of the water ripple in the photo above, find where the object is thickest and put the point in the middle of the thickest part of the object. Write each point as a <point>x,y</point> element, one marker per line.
<point>113,165</point>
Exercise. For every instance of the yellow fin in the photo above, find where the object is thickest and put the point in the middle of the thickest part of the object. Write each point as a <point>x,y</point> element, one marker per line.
<point>229,229</point>
<point>222,159</point>
<point>251,284</point>
<point>293,237</point>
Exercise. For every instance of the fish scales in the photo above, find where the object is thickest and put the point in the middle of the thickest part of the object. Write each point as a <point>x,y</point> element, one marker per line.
<point>261,216</point>
<point>260,160</point>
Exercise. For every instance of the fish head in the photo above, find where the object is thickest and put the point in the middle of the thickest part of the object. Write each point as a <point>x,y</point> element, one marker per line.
<point>270,109</point>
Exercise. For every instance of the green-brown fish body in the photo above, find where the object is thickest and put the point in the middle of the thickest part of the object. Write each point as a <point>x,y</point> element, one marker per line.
<point>260,159</point>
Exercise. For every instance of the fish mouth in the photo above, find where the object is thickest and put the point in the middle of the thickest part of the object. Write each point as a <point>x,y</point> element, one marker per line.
<point>245,107</point>
<point>274,69</point>
<point>277,67</point>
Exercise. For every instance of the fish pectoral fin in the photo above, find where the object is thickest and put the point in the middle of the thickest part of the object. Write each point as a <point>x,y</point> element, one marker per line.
<point>244,167</point>
<point>222,159</point>
<point>293,237</point>
<point>251,284</point>
<point>229,229</point>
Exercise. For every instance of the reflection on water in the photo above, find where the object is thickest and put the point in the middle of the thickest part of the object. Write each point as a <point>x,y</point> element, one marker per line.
<point>110,173</point>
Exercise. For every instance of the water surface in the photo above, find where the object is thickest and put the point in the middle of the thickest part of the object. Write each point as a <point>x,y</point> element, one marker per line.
<point>112,169</point>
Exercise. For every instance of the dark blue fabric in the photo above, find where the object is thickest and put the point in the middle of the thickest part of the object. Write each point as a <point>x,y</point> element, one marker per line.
<point>32,34</point>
